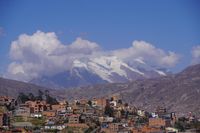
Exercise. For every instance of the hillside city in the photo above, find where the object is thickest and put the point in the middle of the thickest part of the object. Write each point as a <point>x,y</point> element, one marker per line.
<point>107,66</point>
<point>44,113</point>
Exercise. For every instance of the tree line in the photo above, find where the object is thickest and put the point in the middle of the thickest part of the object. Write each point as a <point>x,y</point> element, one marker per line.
<point>22,97</point>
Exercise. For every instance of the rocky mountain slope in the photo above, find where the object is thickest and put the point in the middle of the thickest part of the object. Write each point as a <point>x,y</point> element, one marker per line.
<point>103,69</point>
<point>179,92</point>
<point>12,88</point>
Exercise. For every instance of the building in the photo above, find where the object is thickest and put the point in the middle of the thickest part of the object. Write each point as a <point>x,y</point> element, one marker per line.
<point>117,114</point>
<point>160,111</point>
<point>106,119</point>
<point>147,129</point>
<point>102,102</point>
<point>114,128</point>
<point>37,106</point>
<point>5,100</point>
<point>74,119</point>
<point>22,111</point>
<point>159,122</point>
<point>77,125</point>
<point>141,113</point>
<point>89,110</point>
<point>94,102</point>
<point>115,97</point>
<point>83,101</point>
<point>53,127</point>
<point>22,125</point>
<point>79,109</point>
<point>36,115</point>
<point>154,115</point>
<point>113,103</point>
<point>59,107</point>
<point>50,113</point>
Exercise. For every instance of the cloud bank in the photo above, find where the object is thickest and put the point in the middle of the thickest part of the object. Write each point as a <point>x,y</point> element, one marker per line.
<point>42,54</point>
<point>149,53</point>
<point>196,54</point>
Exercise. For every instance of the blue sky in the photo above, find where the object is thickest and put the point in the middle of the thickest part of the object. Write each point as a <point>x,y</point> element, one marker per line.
<point>171,25</point>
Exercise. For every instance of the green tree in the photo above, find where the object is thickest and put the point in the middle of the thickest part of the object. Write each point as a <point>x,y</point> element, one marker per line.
<point>31,96</point>
<point>111,99</point>
<point>90,103</point>
<point>46,92</point>
<point>120,101</point>
<point>126,104</point>
<point>10,107</point>
<point>109,111</point>
<point>22,97</point>
<point>40,95</point>
<point>51,100</point>
<point>179,125</point>
<point>123,112</point>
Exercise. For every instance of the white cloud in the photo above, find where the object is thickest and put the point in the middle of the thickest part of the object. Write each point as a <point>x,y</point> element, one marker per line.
<point>148,53</point>
<point>196,54</point>
<point>42,54</point>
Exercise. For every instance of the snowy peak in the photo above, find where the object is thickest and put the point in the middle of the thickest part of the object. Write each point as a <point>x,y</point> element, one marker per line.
<point>160,72</point>
<point>113,69</point>
<point>97,70</point>
<point>105,67</point>
<point>140,61</point>
<point>79,64</point>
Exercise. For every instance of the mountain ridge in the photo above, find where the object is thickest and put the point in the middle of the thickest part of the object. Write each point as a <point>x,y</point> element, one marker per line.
<point>9,87</point>
<point>178,92</point>
<point>103,69</point>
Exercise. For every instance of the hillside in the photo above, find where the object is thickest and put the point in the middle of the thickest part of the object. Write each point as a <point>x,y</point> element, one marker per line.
<point>179,92</point>
<point>13,88</point>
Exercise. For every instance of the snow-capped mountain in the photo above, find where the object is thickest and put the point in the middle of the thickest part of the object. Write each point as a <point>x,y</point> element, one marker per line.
<point>96,70</point>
